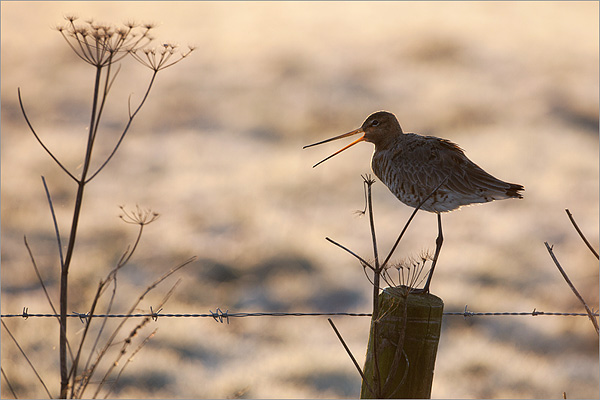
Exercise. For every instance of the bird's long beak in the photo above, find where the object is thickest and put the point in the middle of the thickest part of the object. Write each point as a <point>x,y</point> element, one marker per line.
<point>354,132</point>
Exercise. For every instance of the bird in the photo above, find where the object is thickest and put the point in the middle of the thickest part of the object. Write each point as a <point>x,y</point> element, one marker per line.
<point>425,169</point>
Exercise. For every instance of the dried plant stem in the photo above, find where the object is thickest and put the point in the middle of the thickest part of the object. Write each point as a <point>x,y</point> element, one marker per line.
<point>64,277</point>
<point>128,341</point>
<point>8,383</point>
<point>111,339</point>
<point>377,271</point>
<point>376,283</point>
<point>594,252</point>
<point>39,276</point>
<point>564,274</point>
<point>38,138</point>
<point>102,83</point>
<point>56,231</point>
<point>363,262</point>
<point>362,375</point>
<point>129,360</point>
<point>27,358</point>
<point>101,46</point>
<point>409,221</point>
<point>126,129</point>
<point>101,287</point>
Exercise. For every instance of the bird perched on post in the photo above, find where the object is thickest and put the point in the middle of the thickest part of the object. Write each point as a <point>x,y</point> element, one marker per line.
<point>414,166</point>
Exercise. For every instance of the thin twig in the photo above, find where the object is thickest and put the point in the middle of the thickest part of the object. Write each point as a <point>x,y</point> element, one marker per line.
<point>125,130</point>
<point>8,383</point>
<point>351,252</point>
<point>43,285</point>
<point>362,375</point>
<point>377,271</point>
<point>110,341</point>
<point>564,274</point>
<point>376,283</point>
<point>409,221</point>
<point>75,365</point>
<point>112,275</point>
<point>594,252</point>
<point>367,275</point>
<point>90,316</point>
<point>56,231</point>
<point>40,140</point>
<point>387,278</point>
<point>37,272</point>
<point>27,359</point>
<point>132,334</point>
<point>129,360</point>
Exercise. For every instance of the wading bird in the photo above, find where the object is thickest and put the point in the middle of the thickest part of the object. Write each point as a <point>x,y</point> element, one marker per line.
<point>413,167</point>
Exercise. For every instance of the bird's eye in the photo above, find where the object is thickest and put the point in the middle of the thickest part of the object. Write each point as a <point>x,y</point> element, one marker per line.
<point>375,123</point>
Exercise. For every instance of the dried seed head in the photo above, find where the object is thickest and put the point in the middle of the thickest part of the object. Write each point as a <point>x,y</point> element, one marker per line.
<point>122,31</point>
<point>70,17</point>
<point>410,270</point>
<point>139,216</point>
<point>160,58</point>
<point>130,24</point>
<point>101,44</point>
<point>81,30</point>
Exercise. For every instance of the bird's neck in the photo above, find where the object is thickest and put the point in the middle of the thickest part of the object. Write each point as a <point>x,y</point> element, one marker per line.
<point>387,141</point>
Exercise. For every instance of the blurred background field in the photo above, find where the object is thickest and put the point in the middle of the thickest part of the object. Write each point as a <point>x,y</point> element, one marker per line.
<point>217,151</point>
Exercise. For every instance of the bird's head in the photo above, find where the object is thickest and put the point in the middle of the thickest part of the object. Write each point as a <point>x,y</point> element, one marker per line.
<point>378,128</point>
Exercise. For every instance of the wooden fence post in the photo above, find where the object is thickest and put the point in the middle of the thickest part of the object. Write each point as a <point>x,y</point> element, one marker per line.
<point>407,333</point>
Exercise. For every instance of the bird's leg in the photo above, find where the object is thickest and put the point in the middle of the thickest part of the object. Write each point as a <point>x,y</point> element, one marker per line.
<point>438,247</point>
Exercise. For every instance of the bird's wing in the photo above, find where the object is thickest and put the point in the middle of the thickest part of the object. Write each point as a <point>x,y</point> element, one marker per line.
<point>427,161</point>
<point>464,176</point>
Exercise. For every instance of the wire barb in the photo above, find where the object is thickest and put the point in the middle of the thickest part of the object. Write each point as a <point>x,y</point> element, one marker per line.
<point>220,316</point>
<point>154,315</point>
<point>83,317</point>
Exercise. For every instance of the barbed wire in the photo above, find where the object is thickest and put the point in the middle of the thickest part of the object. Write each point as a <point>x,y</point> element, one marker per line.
<point>224,316</point>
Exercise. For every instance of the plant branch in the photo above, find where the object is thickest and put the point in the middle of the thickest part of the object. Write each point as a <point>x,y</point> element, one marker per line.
<point>8,383</point>
<point>37,272</point>
<point>101,287</point>
<point>27,359</point>
<point>40,140</point>
<point>363,262</point>
<point>43,285</point>
<point>64,278</point>
<point>594,252</point>
<point>564,274</point>
<point>129,360</point>
<point>409,221</point>
<point>128,341</point>
<point>376,284</point>
<point>125,130</point>
<point>110,341</point>
<point>377,270</point>
<point>56,231</point>
<point>362,375</point>
<point>103,97</point>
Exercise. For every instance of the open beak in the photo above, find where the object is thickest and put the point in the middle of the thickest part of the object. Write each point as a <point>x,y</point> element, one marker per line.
<point>354,132</point>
